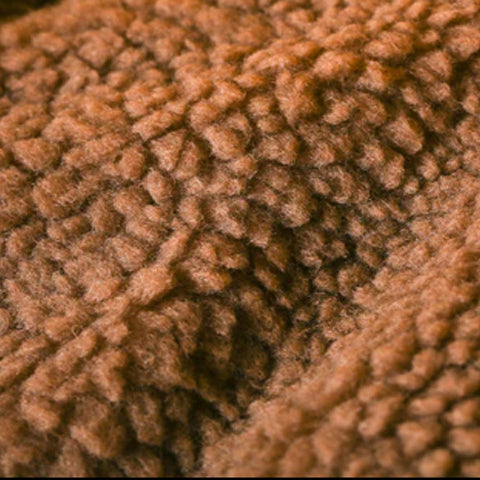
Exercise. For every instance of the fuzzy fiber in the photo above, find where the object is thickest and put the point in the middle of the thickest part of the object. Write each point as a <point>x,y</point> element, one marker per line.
<point>240,237</point>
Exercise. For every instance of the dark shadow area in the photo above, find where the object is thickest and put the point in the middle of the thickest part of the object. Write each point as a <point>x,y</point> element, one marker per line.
<point>10,9</point>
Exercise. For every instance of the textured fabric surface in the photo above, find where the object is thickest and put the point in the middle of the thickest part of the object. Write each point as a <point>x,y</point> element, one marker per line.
<point>240,237</point>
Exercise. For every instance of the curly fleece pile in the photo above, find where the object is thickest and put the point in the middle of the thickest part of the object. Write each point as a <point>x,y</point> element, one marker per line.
<point>240,237</point>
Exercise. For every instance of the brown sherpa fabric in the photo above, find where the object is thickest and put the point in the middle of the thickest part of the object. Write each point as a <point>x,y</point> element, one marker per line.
<point>240,237</point>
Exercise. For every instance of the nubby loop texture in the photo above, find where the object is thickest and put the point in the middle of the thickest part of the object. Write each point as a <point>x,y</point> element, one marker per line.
<point>240,238</point>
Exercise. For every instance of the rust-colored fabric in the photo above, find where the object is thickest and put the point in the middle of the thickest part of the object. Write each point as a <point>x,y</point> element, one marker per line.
<point>240,237</point>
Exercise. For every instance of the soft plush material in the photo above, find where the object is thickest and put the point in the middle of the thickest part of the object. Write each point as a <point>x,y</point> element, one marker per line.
<point>240,237</point>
